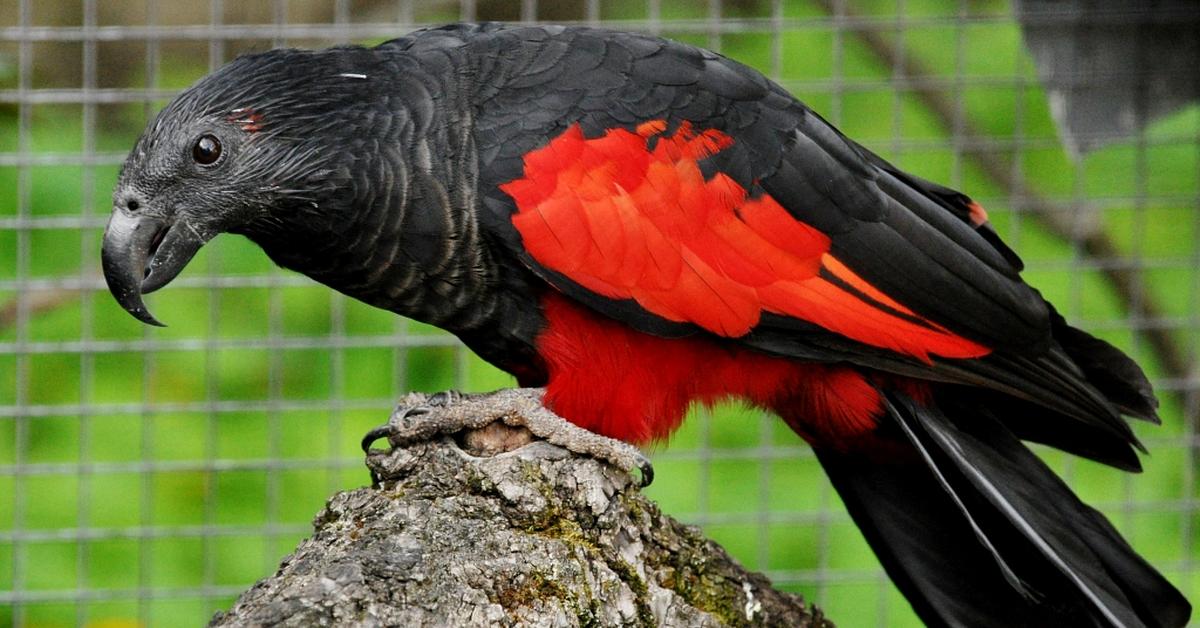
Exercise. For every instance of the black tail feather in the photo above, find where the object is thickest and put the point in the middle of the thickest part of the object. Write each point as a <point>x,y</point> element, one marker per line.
<point>1031,422</point>
<point>976,530</point>
<point>1112,372</point>
<point>927,548</point>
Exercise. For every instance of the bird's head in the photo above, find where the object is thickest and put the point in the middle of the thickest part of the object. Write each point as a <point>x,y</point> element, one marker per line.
<point>256,148</point>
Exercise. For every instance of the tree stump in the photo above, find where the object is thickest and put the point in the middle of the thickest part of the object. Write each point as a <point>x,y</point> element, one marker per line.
<point>536,536</point>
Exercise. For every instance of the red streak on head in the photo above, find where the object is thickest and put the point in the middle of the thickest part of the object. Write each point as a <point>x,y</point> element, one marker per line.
<point>611,379</point>
<point>249,119</point>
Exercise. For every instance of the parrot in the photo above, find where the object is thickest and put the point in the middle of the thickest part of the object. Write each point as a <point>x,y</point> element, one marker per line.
<point>632,226</point>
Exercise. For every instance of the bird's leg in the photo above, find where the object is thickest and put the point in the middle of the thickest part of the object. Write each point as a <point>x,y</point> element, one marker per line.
<point>421,417</point>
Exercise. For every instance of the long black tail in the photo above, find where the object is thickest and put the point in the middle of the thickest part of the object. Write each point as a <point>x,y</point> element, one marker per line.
<point>976,530</point>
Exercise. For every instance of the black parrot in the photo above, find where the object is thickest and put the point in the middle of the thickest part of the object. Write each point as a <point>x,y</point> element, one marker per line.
<point>635,225</point>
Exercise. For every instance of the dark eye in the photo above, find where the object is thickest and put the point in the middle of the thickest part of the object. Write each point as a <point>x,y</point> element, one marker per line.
<point>206,150</point>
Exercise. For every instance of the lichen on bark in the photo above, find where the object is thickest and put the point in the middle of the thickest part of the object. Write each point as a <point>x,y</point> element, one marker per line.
<point>536,536</point>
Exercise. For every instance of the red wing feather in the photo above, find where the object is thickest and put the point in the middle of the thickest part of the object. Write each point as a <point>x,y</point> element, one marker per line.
<point>630,215</point>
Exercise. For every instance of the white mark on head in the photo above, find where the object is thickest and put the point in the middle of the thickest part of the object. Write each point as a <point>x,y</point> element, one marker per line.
<point>361,77</point>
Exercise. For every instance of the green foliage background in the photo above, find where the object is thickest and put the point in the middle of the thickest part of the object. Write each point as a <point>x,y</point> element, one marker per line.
<point>193,501</point>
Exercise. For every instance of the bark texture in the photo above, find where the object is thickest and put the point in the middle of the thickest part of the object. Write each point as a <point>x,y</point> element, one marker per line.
<point>536,536</point>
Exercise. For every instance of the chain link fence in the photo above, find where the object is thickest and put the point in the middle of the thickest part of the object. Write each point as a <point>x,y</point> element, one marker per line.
<point>148,476</point>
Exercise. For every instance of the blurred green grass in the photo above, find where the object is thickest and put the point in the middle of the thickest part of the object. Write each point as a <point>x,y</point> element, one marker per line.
<point>763,494</point>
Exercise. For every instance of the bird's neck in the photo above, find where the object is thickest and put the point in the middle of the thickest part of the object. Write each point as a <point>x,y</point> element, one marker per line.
<point>393,221</point>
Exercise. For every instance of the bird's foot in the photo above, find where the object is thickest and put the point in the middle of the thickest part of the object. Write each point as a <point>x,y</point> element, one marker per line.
<point>491,423</point>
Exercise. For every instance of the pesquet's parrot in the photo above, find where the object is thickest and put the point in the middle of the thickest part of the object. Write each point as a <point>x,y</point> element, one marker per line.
<point>630,225</point>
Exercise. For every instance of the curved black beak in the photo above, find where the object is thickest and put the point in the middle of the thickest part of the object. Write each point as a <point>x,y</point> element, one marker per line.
<point>142,253</point>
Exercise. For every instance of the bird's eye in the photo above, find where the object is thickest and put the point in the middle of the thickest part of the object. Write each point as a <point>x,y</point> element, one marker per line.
<point>206,150</point>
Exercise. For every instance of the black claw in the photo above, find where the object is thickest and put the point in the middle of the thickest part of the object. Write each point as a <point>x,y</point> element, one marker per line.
<point>401,415</point>
<point>647,470</point>
<point>444,398</point>
<point>382,431</point>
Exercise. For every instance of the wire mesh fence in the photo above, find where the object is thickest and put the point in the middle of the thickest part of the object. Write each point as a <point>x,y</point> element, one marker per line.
<point>148,476</point>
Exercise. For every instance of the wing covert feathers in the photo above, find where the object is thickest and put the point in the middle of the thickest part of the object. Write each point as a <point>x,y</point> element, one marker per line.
<point>630,215</point>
